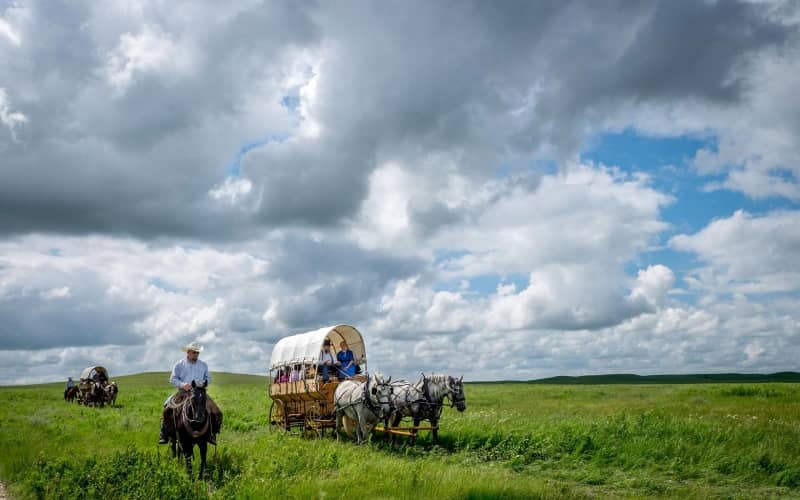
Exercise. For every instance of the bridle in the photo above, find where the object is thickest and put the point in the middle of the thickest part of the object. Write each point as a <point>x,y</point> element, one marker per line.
<point>367,397</point>
<point>190,415</point>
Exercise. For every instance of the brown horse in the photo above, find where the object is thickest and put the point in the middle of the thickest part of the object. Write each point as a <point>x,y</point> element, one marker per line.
<point>71,393</point>
<point>192,426</point>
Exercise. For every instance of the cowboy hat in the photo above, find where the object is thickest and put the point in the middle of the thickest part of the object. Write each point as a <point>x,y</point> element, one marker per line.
<point>192,346</point>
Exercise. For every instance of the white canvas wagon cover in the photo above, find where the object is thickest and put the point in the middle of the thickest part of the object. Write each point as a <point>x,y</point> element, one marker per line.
<point>89,372</point>
<point>305,347</point>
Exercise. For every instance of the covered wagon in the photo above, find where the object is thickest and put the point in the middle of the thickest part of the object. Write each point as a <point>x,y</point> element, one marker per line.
<point>91,389</point>
<point>301,398</point>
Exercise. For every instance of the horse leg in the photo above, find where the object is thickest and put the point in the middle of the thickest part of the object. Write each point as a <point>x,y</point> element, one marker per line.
<point>395,423</point>
<point>338,423</point>
<point>359,428</point>
<point>413,437</point>
<point>362,427</point>
<point>203,445</point>
<point>188,451</point>
<point>435,429</point>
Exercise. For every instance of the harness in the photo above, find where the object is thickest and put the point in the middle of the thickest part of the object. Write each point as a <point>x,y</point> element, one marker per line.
<point>185,421</point>
<point>365,399</point>
<point>368,400</point>
<point>427,405</point>
<point>432,406</point>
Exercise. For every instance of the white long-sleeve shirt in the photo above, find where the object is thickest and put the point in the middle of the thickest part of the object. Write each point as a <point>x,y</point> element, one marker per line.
<point>184,372</point>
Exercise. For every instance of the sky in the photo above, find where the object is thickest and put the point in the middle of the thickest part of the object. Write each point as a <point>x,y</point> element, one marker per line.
<point>499,190</point>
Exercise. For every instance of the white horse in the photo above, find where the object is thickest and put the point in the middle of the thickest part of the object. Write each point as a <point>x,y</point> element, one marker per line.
<point>424,400</point>
<point>362,403</point>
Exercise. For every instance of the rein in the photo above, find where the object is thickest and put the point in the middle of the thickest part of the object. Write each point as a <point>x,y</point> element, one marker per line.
<point>365,399</point>
<point>187,421</point>
<point>368,400</point>
<point>426,394</point>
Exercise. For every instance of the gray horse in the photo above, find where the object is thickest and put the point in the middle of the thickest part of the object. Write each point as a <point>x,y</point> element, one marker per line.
<point>424,400</point>
<point>363,403</point>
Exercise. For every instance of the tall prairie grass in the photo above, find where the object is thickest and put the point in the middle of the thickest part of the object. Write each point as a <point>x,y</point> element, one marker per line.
<point>514,441</point>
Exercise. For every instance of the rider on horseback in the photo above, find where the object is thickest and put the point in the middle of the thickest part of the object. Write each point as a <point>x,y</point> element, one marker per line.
<point>185,371</point>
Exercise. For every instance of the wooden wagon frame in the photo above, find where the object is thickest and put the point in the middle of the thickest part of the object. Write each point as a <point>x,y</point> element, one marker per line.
<point>305,403</point>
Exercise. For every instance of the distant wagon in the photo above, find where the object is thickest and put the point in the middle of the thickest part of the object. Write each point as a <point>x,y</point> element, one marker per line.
<point>300,399</point>
<point>91,389</point>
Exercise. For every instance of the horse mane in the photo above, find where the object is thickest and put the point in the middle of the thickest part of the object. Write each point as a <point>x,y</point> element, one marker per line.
<point>378,378</point>
<point>437,386</point>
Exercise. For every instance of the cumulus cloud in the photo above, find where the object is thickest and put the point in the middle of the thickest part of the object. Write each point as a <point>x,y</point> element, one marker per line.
<point>240,172</point>
<point>11,119</point>
<point>746,253</point>
<point>193,88</point>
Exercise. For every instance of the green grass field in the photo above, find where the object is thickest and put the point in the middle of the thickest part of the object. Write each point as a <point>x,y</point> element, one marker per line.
<point>516,440</point>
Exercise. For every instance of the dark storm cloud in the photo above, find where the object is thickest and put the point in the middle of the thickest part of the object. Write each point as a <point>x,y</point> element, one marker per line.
<point>497,82</point>
<point>303,260</point>
<point>696,49</point>
<point>481,83</point>
<point>138,160</point>
<point>328,281</point>
<point>79,315</point>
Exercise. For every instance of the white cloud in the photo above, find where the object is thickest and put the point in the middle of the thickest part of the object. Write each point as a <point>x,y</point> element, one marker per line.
<point>232,190</point>
<point>148,51</point>
<point>420,182</point>
<point>653,284</point>
<point>11,35</point>
<point>56,293</point>
<point>11,119</point>
<point>746,253</point>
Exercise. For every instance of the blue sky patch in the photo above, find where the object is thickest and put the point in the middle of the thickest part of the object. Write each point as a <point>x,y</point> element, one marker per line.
<point>485,284</point>
<point>291,102</point>
<point>234,169</point>
<point>159,283</point>
<point>667,160</point>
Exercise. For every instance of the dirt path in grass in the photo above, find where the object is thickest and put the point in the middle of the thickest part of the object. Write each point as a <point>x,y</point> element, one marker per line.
<point>3,495</point>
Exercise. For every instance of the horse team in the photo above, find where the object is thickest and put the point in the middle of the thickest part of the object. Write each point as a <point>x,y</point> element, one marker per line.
<point>94,388</point>
<point>360,406</point>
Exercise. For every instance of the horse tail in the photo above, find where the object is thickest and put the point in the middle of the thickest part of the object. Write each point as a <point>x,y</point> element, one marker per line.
<point>349,425</point>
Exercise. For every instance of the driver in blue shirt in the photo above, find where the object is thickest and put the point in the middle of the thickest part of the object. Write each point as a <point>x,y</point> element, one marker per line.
<point>345,360</point>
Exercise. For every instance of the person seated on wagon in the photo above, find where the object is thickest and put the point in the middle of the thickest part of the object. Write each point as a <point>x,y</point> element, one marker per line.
<point>187,370</point>
<point>326,360</point>
<point>283,374</point>
<point>345,361</point>
<point>295,375</point>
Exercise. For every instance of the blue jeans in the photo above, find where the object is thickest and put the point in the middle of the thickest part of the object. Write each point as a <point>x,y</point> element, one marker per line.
<point>325,372</point>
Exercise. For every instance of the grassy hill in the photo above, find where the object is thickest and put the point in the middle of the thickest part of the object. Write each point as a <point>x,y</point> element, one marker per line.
<point>713,378</point>
<point>218,378</point>
<point>520,440</point>
<point>226,378</point>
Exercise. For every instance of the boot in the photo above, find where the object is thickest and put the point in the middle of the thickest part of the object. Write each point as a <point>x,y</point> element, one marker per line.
<point>163,439</point>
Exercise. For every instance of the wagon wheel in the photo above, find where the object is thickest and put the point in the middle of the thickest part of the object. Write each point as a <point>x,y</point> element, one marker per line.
<point>313,427</point>
<point>276,425</point>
